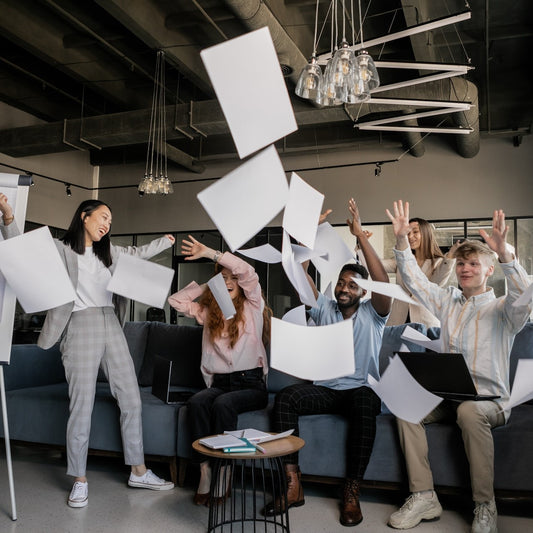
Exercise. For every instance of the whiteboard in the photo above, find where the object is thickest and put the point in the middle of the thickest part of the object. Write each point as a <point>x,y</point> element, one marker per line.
<point>18,199</point>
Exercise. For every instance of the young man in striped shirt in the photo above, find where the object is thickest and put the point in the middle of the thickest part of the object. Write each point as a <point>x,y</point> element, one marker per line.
<point>481,327</point>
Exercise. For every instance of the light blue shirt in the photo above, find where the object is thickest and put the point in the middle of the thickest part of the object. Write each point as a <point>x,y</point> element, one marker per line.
<point>368,328</point>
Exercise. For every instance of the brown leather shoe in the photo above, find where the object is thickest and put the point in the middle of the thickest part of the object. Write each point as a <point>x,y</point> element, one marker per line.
<point>295,493</point>
<point>201,499</point>
<point>351,510</point>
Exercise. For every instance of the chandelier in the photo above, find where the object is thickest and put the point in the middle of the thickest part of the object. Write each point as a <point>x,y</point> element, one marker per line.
<point>347,78</point>
<point>155,180</point>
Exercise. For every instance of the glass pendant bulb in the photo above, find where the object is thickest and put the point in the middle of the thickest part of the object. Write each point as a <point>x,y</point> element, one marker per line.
<point>309,81</point>
<point>367,69</point>
<point>342,66</point>
<point>330,93</point>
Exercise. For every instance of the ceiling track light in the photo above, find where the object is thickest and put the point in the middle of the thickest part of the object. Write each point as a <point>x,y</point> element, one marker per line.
<point>377,170</point>
<point>67,189</point>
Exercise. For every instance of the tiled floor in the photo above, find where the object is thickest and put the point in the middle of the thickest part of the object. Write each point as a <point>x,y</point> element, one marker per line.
<point>41,488</point>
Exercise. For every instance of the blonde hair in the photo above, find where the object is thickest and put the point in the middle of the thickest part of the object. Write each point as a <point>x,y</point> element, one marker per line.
<point>470,247</point>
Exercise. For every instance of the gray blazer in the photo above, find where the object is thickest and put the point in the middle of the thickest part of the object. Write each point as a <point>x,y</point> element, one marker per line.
<point>58,317</point>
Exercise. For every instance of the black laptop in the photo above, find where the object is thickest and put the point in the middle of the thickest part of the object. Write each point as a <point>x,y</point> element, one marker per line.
<point>443,374</point>
<point>161,382</point>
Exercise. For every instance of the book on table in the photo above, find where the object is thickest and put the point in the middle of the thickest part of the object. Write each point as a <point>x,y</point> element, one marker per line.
<point>257,436</point>
<point>242,438</point>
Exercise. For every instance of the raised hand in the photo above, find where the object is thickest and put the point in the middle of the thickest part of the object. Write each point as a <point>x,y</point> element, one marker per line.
<point>194,249</point>
<point>324,215</point>
<point>354,223</point>
<point>170,238</point>
<point>497,239</point>
<point>400,219</point>
<point>5,208</point>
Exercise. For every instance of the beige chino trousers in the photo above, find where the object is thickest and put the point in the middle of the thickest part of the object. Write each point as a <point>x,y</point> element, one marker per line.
<point>476,419</point>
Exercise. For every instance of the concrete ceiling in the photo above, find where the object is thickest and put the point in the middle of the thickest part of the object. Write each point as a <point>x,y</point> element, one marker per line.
<point>86,69</point>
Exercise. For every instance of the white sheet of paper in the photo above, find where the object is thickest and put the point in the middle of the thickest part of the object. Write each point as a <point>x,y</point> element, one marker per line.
<point>245,72</point>
<point>523,384</point>
<point>295,273</point>
<point>328,293</point>
<point>402,394</point>
<point>411,334</point>
<point>302,253</point>
<point>33,269</point>
<point>525,298</point>
<point>248,198</point>
<point>388,289</point>
<point>315,353</point>
<point>141,280</point>
<point>339,254</point>
<point>296,315</point>
<point>404,348</point>
<point>265,253</point>
<point>302,212</point>
<point>9,187</point>
<point>217,285</point>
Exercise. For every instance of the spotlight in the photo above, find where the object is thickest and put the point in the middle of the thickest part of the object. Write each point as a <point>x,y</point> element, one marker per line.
<point>67,189</point>
<point>377,170</point>
<point>141,193</point>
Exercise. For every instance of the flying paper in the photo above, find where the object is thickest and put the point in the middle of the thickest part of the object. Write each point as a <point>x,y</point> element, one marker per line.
<point>402,394</point>
<point>33,268</point>
<point>296,316</point>
<point>222,296</point>
<point>411,334</point>
<point>244,201</point>
<point>328,240</point>
<point>141,280</point>
<point>314,353</point>
<point>265,253</point>
<point>302,212</point>
<point>295,273</point>
<point>388,289</point>
<point>522,385</point>
<point>249,84</point>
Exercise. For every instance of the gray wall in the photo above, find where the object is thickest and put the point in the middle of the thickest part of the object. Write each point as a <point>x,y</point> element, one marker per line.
<point>439,185</point>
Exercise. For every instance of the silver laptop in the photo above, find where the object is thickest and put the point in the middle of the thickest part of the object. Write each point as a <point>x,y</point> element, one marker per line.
<point>161,382</point>
<point>443,374</point>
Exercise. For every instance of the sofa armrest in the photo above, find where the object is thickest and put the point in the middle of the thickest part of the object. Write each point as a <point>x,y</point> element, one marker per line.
<point>31,366</point>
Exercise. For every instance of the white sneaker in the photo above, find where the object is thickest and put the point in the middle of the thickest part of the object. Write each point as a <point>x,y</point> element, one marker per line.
<point>415,509</point>
<point>485,518</point>
<point>149,481</point>
<point>79,495</point>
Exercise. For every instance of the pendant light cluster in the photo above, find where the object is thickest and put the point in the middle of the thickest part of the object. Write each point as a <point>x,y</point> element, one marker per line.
<point>155,180</point>
<point>347,78</point>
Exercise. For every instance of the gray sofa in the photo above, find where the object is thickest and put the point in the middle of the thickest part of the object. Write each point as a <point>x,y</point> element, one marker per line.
<point>38,409</point>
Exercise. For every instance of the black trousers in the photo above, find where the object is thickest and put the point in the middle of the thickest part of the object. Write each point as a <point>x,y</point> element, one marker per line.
<point>359,406</point>
<point>216,409</point>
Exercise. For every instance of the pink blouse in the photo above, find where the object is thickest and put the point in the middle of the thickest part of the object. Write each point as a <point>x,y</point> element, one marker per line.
<point>217,355</point>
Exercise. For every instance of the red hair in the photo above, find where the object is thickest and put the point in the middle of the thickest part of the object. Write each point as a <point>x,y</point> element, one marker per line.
<point>215,321</point>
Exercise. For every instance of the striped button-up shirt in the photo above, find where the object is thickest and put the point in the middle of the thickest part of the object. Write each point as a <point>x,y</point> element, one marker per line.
<point>481,327</point>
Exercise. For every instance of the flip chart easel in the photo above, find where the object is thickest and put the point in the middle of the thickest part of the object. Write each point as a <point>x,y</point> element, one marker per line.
<point>7,314</point>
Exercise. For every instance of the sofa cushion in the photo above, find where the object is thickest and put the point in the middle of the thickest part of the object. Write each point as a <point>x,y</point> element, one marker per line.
<point>181,344</point>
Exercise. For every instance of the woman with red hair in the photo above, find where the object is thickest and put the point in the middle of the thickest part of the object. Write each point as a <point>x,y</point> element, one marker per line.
<point>234,361</point>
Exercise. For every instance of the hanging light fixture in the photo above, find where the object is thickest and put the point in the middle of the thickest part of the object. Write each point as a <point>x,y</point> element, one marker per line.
<point>347,78</point>
<point>310,79</point>
<point>155,180</point>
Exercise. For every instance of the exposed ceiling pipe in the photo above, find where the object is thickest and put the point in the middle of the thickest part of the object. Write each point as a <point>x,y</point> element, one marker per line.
<point>255,14</point>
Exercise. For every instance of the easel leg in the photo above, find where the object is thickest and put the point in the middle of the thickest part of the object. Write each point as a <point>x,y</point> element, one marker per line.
<point>8,445</point>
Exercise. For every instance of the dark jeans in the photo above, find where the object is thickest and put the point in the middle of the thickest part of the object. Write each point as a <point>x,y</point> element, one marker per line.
<point>359,406</point>
<point>216,409</point>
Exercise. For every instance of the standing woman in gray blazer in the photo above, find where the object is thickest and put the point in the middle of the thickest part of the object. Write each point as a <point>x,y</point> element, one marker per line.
<point>90,330</point>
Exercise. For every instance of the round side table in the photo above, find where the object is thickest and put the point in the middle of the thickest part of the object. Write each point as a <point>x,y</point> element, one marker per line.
<point>253,477</point>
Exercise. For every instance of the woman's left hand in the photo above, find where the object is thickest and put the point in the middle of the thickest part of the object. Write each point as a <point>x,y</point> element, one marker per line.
<point>170,238</point>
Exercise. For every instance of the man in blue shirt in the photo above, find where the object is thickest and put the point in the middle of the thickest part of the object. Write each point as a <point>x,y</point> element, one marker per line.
<point>348,395</point>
